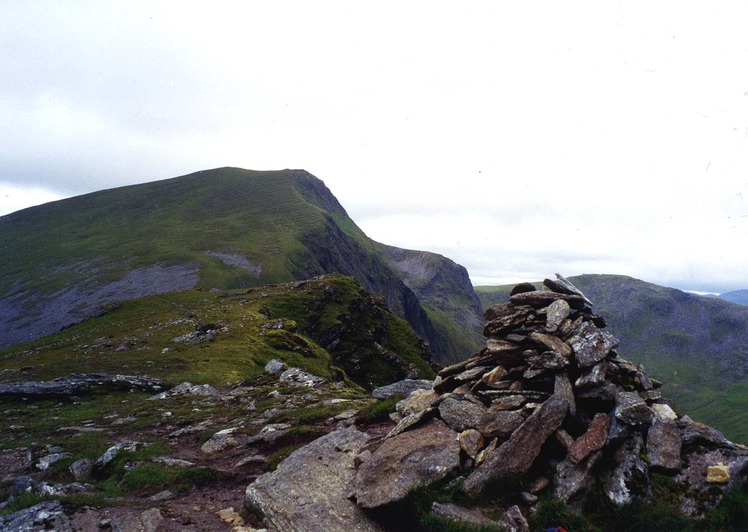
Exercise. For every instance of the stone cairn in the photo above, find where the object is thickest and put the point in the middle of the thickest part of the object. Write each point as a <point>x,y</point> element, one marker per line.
<point>551,403</point>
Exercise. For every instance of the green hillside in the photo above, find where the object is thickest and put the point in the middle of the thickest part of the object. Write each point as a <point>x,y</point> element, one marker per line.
<point>698,346</point>
<point>329,326</point>
<point>216,229</point>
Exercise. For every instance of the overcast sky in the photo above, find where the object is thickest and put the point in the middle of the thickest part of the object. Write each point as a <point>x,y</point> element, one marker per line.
<point>518,138</point>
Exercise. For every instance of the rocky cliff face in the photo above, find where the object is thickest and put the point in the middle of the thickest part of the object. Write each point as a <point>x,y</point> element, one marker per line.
<point>548,408</point>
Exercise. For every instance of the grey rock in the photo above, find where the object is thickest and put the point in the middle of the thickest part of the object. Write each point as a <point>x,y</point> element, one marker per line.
<point>556,313</point>
<point>418,401</point>
<point>309,490</point>
<point>543,298</point>
<point>81,469</point>
<point>591,345</point>
<point>45,462</point>
<point>562,285</point>
<point>698,433</point>
<point>187,388</point>
<point>275,367</point>
<point>513,520</point>
<point>81,383</point>
<point>460,514</point>
<point>151,519</point>
<point>517,454</point>
<point>48,515</point>
<point>301,378</point>
<point>22,485</point>
<point>664,445</point>
<point>411,420</point>
<point>471,441</point>
<point>550,360</point>
<point>552,343</point>
<point>403,388</point>
<point>425,454</point>
<point>223,439</point>
<point>461,415</point>
<point>629,480</point>
<point>595,376</point>
<point>632,409</point>
<point>572,482</point>
<point>106,458</point>
<point>562,387</point>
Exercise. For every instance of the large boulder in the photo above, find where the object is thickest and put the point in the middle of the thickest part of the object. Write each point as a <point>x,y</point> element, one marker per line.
<point>424,454</point>
<point>309,490</point>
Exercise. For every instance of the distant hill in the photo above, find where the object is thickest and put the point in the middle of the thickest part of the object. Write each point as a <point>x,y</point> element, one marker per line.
<point>215,229</point>
<point>697,345</point>
<point>737,296</point>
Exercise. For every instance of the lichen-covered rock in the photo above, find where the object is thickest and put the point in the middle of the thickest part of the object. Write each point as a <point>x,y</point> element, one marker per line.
<point>632,409</point>
<point>48,515</point>
<point>629,479</point>
<point>573,481</point>
<point>309,490</point>
<point>664,445</point>
<point>424,454</point>
<point>591,345</point>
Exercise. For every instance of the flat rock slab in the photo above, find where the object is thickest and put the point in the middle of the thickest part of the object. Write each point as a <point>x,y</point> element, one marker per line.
<point>309,490</point>
<point>516,455</point>
<point>425,454</point>
<point>403,388</point>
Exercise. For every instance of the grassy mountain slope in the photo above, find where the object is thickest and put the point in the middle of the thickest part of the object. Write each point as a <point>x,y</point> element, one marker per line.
<point>698,346</point>
<point>222,228</point>
<point>329,326</point>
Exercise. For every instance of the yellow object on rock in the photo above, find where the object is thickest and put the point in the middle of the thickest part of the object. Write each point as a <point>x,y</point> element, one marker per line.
<point>718,474</point>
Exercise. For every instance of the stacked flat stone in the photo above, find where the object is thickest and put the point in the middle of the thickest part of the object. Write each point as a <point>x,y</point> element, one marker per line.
<point>549,400</point>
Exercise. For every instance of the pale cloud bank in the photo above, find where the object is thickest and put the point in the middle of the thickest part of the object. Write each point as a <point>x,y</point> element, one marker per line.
<point>517,139</point>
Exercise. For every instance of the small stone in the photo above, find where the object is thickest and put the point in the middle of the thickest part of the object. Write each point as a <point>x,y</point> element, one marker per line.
<point>151,519</point>
<point>539,485</point>
<point>592,440</point>
<point>471,441</point>
<point>453,512</point>
<point>493,376</point>
<point>417,401</point>
<point>81,469</point>
<point>632,409</point>
<point>512,519</point>
<point>556,313</point>
<point>552,343</point>
<point>718,474</point>
<point>663,411</point>
<point>230,516</point>
<point>403,388</point>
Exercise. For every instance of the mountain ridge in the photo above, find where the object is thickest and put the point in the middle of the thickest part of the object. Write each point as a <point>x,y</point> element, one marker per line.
<point>220,228</point>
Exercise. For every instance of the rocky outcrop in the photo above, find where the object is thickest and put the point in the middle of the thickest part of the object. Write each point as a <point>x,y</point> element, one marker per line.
<point>81,383</point>
<point>550,397</point>
<point>309,490</point>
<point>549,404</point>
